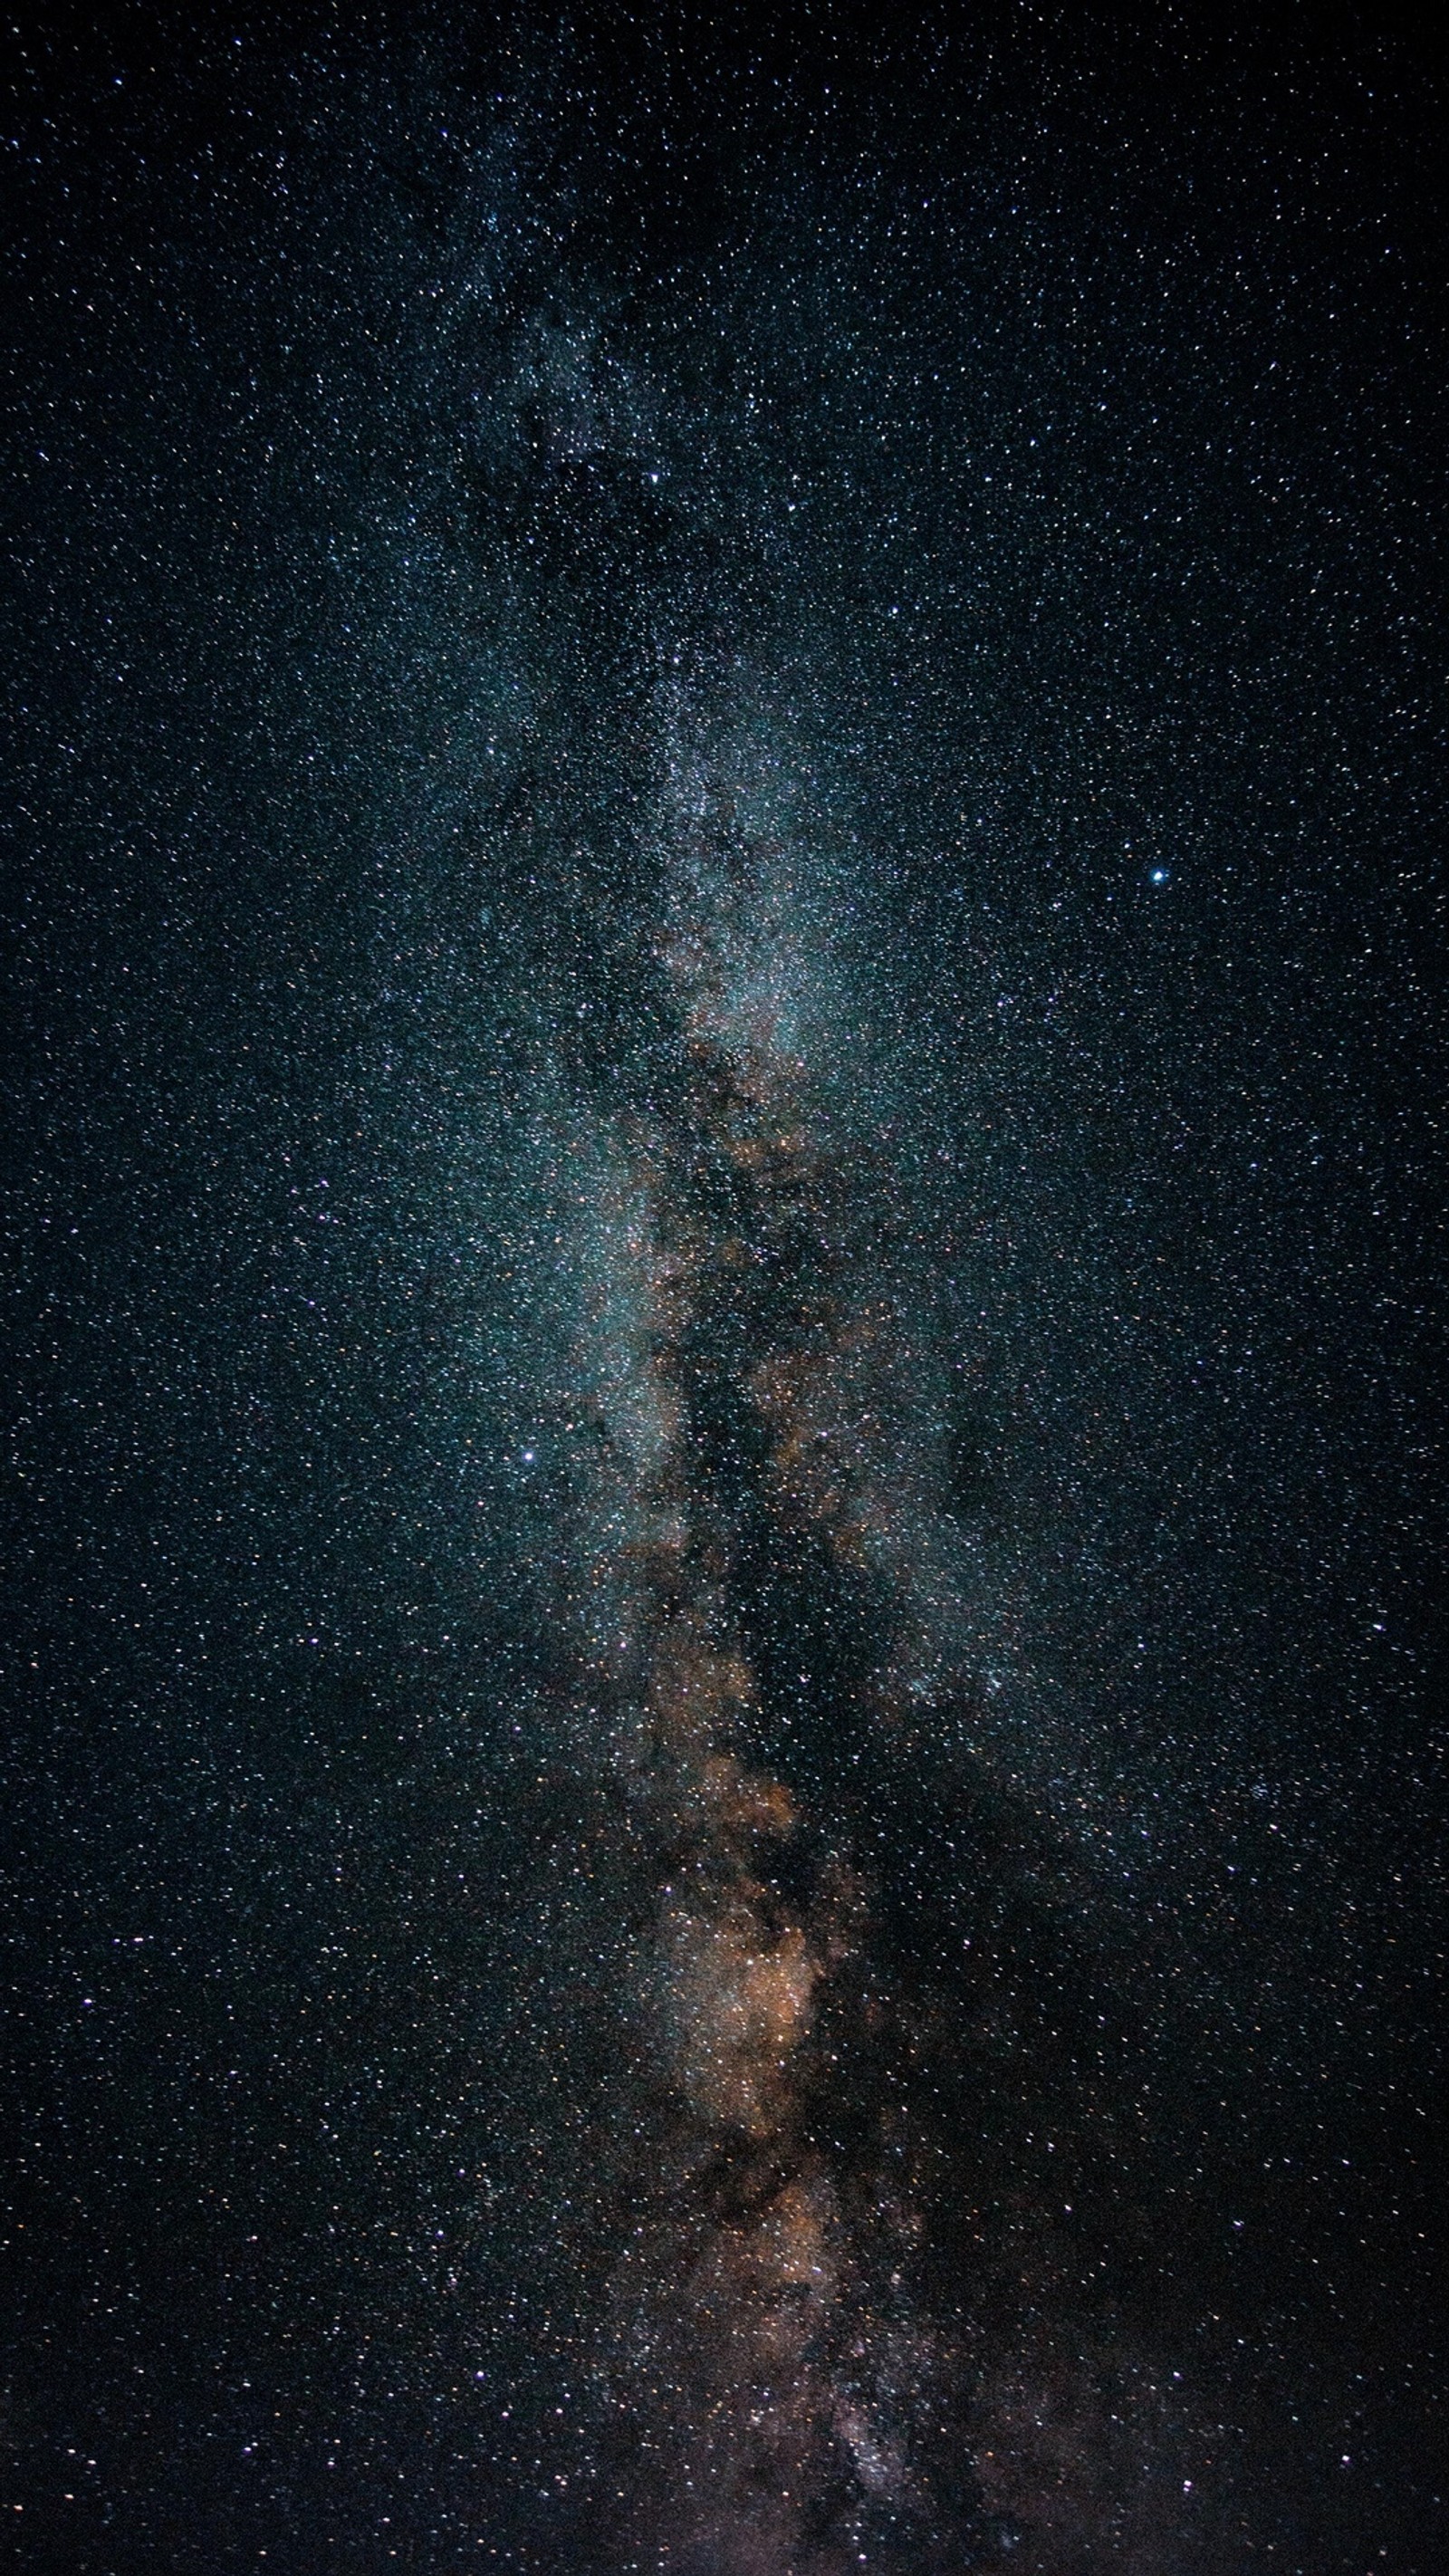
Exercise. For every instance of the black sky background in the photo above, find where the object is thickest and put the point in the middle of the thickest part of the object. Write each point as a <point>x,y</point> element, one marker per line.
<point>1051,413</point>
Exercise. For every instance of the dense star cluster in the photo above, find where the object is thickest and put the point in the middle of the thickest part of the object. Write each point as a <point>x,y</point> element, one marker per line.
<point>724,1255</point>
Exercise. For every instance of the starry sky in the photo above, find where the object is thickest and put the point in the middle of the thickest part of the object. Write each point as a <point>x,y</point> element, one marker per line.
<point>723,1253</point>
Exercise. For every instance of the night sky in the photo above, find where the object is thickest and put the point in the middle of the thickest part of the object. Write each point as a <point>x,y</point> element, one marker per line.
<point>723,1833</point>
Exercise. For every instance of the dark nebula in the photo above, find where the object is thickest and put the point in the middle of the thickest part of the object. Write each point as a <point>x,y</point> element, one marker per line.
<point>724,1620</point>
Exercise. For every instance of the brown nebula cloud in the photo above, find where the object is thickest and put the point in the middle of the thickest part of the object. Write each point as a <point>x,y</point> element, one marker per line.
<point>823,2349</point>
<point>742,2344</point>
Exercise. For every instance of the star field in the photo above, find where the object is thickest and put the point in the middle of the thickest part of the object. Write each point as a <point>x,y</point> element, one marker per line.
<point>724,1269</point>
